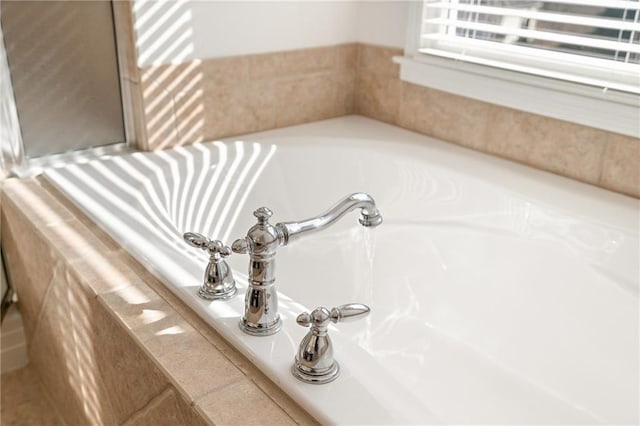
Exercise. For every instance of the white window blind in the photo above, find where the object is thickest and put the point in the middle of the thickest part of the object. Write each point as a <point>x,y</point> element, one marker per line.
<point>592,42</point>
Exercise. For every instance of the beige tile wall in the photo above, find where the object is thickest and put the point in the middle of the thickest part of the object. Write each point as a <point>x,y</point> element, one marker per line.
<point>216,98</point>
<point>111,344</point>
<point>590,155</point>
<point>24,401</point>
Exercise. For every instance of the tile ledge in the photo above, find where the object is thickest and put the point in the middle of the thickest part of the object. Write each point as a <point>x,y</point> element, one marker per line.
<point>169,304</point>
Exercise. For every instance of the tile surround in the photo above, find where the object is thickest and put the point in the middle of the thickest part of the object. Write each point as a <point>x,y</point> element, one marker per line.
<point>24,401</point>
<point>378,59</point>
<point>445,116</point>
<point>292,62</point>
<point>59,350</point>
<point>378,88</point>
<point>222,97</point>
<point>164,409</point>
<point>17,252</point>
<point>190,416</point>
<point>243,403</point>
<point>559,147</point>
<point>50,243</point>
<point>378,96</point>
<point>621,165</point>
<point>131,381</point>
<point>114,346</point>
<point>304,99</point>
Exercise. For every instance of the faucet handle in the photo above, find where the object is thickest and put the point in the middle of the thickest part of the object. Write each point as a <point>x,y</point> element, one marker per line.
<point>263,214</point>
<point>215,247</point>
<point>314,362</point>
<point>196,240</point>
<point>218,283</point>
<point>240,246</point>
<point>349,312</point>
<point>320,317</point>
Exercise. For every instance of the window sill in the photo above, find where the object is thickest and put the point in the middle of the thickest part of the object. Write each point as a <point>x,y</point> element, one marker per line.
<point>610,110</point>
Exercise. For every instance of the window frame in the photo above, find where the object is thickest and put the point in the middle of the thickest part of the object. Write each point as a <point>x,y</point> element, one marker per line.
<point>612,110</point>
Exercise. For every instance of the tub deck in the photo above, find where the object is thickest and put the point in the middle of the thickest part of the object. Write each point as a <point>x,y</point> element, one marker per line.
<point>499,293</point>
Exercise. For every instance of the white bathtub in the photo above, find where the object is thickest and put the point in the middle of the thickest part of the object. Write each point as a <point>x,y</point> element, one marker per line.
<point>499,293</point>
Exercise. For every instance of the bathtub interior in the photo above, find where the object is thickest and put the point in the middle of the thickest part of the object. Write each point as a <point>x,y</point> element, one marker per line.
<point>458,332</point>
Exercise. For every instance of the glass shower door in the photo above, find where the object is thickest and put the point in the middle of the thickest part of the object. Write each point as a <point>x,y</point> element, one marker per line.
<point>64,71</point>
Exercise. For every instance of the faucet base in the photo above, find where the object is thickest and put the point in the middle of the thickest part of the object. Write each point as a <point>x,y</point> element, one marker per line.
<point>260,329</point>
<point>217,294</point>
<point>315,379</point>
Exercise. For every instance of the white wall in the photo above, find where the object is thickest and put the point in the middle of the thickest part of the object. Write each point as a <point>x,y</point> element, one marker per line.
<point>382,22</point>
<point>182,30</point>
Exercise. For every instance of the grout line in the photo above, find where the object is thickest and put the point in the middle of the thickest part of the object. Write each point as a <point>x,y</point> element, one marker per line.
<point>284,409</point>
<point>58,264</point>
<point>143,411</point>
<point>217,389</point>
<point>603,160</point>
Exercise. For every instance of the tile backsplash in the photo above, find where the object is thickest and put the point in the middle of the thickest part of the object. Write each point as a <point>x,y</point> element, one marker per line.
<point>216,98</point>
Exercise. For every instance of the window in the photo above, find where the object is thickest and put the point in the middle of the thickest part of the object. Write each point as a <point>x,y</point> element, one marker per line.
<point>582,55</point>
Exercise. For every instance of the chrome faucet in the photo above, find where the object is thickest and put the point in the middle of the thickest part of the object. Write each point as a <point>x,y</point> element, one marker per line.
<point>314,362</point>
<point>218,283</point>
<point>261,317</point>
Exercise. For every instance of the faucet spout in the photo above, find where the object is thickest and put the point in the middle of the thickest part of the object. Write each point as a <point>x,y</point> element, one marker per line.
<point>369,217</point>
<point>261,317</point>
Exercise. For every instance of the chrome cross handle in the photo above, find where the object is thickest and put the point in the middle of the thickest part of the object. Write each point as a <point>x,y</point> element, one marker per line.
<point>218,279</point>
<point>314,361</point>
